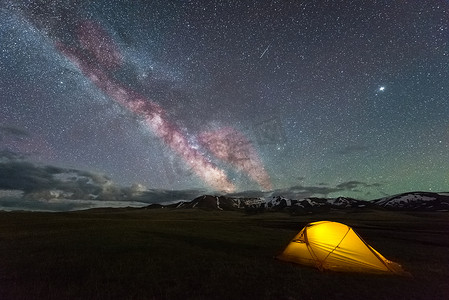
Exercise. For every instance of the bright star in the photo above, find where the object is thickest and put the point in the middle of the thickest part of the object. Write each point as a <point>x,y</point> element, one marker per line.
<point>381,89</point>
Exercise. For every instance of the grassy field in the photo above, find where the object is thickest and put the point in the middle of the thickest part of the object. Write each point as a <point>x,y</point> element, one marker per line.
<point>192,254</point>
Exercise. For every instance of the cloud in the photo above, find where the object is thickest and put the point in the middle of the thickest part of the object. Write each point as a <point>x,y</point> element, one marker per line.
<point>40,181</point>
<point>168,196</point>
<point>6,155</point>
<point>250,194</point>
<point>294,192</point>
<point>349,185</point>
<point>20,175</point>
<point>323,190</point>
<point>301,192</point>
<point>17,203</point>
<point>26,202</point>
<point>49,182</point>
<point>59,189</point>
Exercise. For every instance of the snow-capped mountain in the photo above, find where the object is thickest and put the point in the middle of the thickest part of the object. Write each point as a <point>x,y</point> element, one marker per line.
<point>314,204</point>
<point>223,202</point>
<point>420,201</point>
<point>415,201</point>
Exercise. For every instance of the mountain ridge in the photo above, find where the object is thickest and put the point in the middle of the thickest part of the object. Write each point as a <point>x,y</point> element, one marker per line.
<point>410,201</point>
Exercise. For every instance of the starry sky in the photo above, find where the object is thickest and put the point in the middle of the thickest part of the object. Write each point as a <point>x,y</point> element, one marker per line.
<point>300,98</point>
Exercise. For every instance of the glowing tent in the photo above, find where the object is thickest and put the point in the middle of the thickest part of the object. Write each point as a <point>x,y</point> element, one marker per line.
<point>334,246</point>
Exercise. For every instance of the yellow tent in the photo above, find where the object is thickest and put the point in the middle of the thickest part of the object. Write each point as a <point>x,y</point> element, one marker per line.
<point>334,246</point>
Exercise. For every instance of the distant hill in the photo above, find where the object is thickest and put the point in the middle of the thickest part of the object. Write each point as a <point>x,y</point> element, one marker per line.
<point>413,201</point>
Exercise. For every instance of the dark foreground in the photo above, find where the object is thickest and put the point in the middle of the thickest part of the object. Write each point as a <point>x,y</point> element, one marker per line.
<point>191,254</point>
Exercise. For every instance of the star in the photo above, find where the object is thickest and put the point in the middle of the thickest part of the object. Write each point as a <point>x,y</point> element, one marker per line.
<point>249,101</point>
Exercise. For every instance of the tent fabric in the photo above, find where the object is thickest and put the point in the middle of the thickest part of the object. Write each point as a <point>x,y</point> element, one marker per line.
<point>334,246</point>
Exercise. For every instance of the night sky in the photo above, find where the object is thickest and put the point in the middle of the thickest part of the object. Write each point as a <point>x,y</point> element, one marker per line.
<point>173,99</point>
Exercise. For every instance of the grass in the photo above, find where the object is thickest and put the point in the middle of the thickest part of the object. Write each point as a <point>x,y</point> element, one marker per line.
<point>193,254</point>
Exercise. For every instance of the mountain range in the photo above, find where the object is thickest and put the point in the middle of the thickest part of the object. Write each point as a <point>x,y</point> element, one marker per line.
<point>412,201</point>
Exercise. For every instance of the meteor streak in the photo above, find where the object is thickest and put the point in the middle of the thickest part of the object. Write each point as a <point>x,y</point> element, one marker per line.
<point>266,49</point>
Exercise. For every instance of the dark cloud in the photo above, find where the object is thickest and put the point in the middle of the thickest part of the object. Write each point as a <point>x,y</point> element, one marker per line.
<point>321,190</point>
<point>349,185</point>
<point>60,189</point>
<point>38,182</point>
<point>299,191</point>
<point>166,196</point>
<point>44,200</point>
<point>16,203</point>
<point>20,175</point>
<point>6,154</point>
<point>249,194</point>
<point>294,192</point>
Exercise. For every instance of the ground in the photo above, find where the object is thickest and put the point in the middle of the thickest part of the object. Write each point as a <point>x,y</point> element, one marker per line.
<point>194,254</point>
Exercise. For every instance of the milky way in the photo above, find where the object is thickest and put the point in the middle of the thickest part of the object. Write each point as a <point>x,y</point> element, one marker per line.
<point>233,147</point>
<point>284,96</point>
<point>93,39</point>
